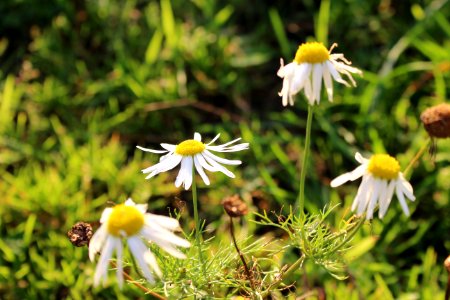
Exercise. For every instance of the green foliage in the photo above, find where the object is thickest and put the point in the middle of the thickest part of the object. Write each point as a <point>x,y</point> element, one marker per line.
<point>83,82</point>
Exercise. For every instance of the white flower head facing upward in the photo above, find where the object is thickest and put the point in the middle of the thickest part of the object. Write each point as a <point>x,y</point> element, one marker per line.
<point>194,153</point>
<point>312,63</point>
<point>131,222</point>
<point>380,177</point>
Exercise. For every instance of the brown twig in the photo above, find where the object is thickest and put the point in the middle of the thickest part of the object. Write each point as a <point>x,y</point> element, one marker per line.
<point>247,270</point>
<point>209,108</point>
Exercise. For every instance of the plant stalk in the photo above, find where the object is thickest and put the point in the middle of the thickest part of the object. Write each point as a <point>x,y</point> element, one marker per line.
<point>197,223</point>
<point>301,194</point>
<point>241,255</point>
<point>416,157</point>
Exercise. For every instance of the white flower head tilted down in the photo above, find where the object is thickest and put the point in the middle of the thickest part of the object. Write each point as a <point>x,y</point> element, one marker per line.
<point>193,153</point>
<point>131,222</point>
<point>380,177</point>
<point>312,63</point>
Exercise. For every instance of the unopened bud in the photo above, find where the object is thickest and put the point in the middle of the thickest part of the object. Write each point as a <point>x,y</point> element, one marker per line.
<point>80,234</point>
<point>436,120</point>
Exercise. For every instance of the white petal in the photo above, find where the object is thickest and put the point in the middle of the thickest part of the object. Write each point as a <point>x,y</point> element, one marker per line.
<point>384,203</point>
<point>139,250</point>
<point>169,147</point>
<point>204,164</point>
<point>119,254</point>
<point>373,198</point>
<point>164,166</point>
<point>218,167</point>
<point>309,92</point>
<point>328,82</point>
<point>359,158</point>
<point>160,235</point>
<point>336,76</point>
<point>182,173</point>
<point>362,190</point>
<point>162,221</point>
<point>317,81</point>
<point>105,215</point>
<point>406,188</point>
<point>302,73</point>
<point>197,137</point>
<point>350,176</point>
<point>102,265</point>
<point>221,160</point>
<point>365,197</point>
<point>189,168</point>
<point>151,150</point>
<point>401,198</point>
<point>200,170</point>
<point>214,139</point>
<point>97,241</point>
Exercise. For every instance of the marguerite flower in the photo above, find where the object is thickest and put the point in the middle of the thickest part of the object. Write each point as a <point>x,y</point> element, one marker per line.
<point>313,62</point>
<point>131,222</point>
<point>380,177</point>
<point>193,153</point>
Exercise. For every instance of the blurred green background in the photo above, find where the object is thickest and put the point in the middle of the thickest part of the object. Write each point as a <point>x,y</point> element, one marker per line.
<point>83,82</point>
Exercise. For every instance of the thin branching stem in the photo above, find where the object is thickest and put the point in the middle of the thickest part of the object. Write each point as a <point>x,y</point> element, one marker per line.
<point>241,255</point>
<point>282,276</point>
<point>301,193</point>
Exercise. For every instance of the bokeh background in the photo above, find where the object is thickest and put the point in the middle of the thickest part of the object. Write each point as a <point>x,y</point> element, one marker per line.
<point>83,82</point>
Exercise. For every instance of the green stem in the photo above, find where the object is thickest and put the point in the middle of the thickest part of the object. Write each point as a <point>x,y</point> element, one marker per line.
<point>198,235</point>
<point>301,194</point>
<point>416,157</point>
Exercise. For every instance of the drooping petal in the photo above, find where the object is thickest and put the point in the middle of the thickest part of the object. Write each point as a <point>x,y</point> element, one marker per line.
<point>350,176</point>
<point>200,170</point>
<point>97,241</point>
<point>103,262</point>
<point>384,203</point>
<point>139,250</point>
<point>151,150</point>
<point>328,82</point>
<point>220,159</point>
<point>317,82</point>
<point>401,198</point>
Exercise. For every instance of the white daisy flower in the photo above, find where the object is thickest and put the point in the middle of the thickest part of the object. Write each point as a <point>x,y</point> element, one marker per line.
<point>313,62</point>
<point>380,177</point>
<point>193,153</point>
<point>130,221</point>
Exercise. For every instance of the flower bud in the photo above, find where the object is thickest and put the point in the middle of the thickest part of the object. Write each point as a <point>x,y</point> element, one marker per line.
<point>436,120</point>
<point>235,206</point>
<point>80,234</point>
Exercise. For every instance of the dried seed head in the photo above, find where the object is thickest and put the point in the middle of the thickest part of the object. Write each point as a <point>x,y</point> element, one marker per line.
<point>436,120</point>
<point>235,206</point>
<point>447,264</point>
<point>80,234</point>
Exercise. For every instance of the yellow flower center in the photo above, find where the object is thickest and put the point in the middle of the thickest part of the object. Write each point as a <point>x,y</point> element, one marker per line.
<point>189,148</point>
<point>311,52</point>
<point>384,166</point>
<point>125,218</point>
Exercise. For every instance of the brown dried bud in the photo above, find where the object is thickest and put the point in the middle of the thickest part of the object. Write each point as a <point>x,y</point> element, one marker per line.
<point>447,264</point>
<point>436,120</point>
<point>235,206</point>
<point>80,234</point>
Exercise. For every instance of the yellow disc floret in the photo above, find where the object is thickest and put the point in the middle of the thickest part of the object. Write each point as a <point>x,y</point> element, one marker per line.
<point>311,52</point>
<point>125,218</point>
<point>384,166</point>
<point>189,148</point>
